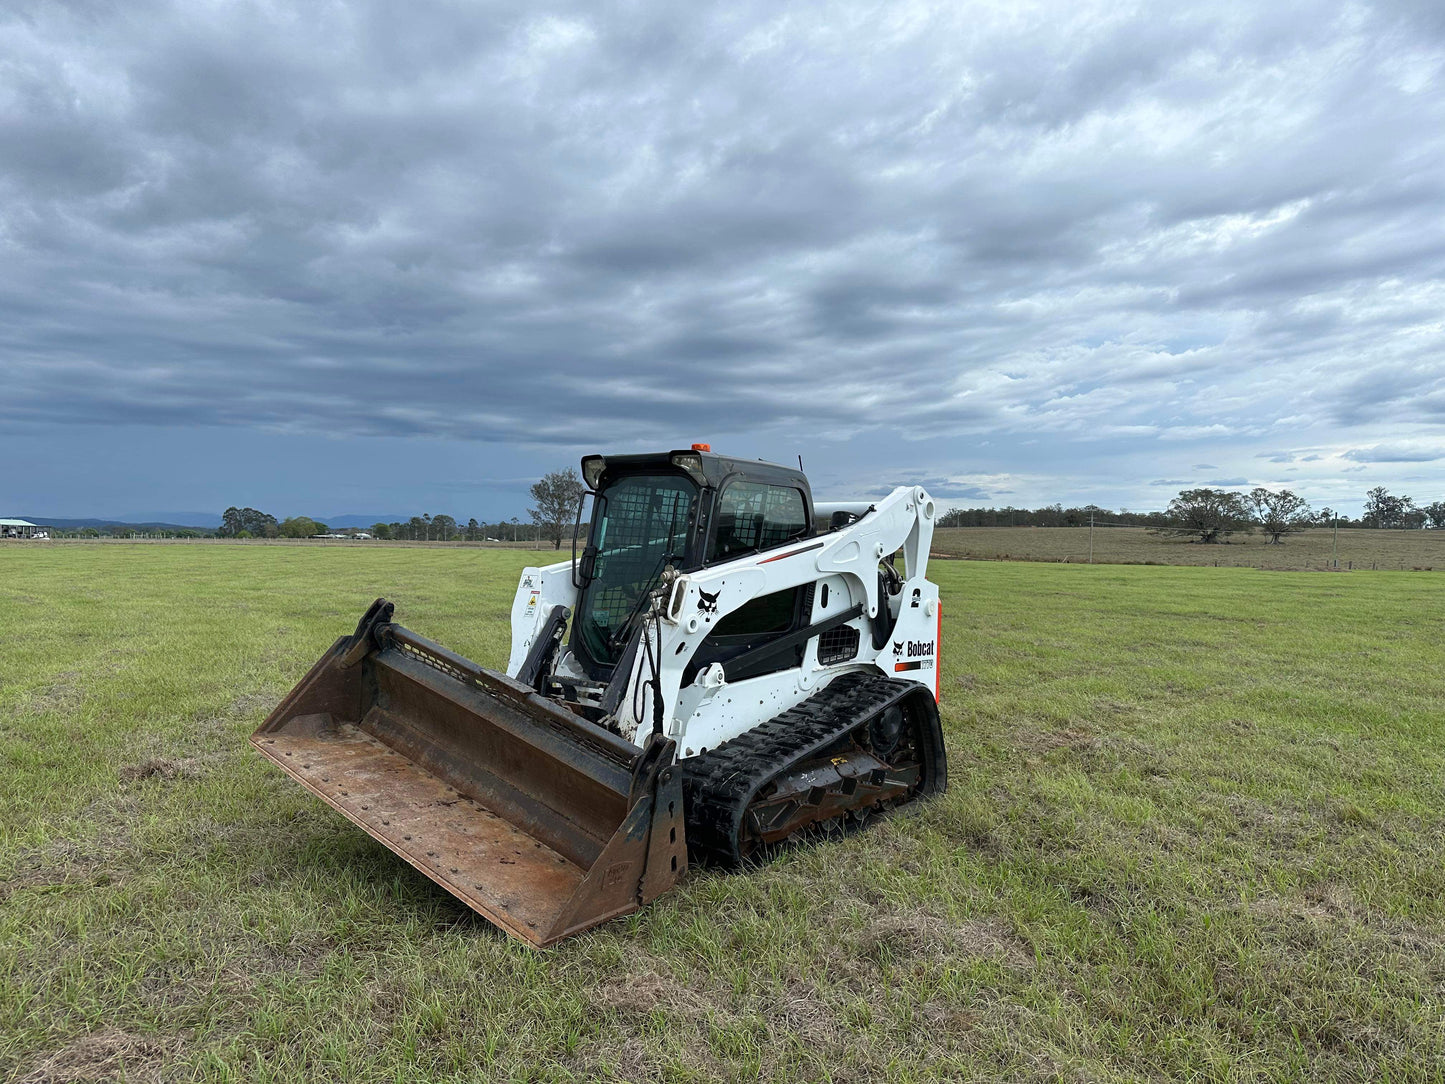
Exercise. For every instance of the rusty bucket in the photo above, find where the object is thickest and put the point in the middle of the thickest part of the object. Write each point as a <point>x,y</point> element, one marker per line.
<point>538,819</point>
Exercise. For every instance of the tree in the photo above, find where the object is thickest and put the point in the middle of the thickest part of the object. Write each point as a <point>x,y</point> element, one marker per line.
<point>299,527</point>
<point>380,530</point>
<point>248,523</point>
<point>1435,513</point>
<point>474,530</point>
<point>1325,516</point>
<point>443,528</point>
<point>1212,514</point>
<point>556,498</point>
<point>1384,510</point>
<point>1279,514</point>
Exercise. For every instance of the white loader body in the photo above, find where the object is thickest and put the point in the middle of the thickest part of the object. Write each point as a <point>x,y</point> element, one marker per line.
<point>842,565</point>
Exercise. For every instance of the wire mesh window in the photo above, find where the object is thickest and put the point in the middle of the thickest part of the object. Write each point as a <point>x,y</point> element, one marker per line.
<point>643,522</point>
<point>838,645</point>
<point>753,516</point>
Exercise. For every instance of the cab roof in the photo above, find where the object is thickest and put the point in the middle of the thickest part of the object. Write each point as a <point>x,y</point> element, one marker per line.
<point>707,468</point>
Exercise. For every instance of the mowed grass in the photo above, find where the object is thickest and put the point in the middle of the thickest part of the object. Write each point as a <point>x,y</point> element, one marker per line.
<point>1194,832</point>
<point>1312,549</point>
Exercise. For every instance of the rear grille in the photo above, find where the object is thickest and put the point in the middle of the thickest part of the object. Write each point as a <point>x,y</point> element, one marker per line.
<point>838,645</point>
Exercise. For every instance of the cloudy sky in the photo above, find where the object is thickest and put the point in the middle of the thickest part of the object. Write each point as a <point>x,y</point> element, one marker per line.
<point>393,258</point>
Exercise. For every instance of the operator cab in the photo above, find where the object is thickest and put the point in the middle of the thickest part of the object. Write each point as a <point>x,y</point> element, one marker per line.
<point>658,514</point>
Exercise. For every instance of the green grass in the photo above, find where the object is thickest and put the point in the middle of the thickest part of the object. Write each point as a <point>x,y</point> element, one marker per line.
<point>1194,832</point>
<point>1313,549</point>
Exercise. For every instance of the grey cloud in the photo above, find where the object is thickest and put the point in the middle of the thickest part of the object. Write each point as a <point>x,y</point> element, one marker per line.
<point>941,488</point>
<point>967,493</point>
<point>1228,482</point>
<point>1395,453</point>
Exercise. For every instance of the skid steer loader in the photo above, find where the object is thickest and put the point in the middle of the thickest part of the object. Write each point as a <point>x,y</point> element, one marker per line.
<point>724,667</point>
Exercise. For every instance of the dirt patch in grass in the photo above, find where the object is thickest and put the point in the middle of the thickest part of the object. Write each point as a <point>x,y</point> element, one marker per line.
<point>162,767</point>
<point>249,703</point>
<point>50,879</point>
<point>916,935</point>
<point>106,1055</point>
<point>67,864</point>
<point>1035,741</point>
<point>248,707</point>
<point>644,992</point>
<point>1096,752</point>
<point>63,694</point>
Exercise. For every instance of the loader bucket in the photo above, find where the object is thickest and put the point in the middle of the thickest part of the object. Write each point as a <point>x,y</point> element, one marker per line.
<point>536,818</point>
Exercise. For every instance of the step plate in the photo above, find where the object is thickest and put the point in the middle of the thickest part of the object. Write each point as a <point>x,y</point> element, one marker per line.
<point>496,869</point>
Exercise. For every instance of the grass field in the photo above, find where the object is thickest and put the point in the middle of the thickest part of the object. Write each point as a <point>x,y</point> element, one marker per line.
<point>1194,832</point>
<point>1312,549</point>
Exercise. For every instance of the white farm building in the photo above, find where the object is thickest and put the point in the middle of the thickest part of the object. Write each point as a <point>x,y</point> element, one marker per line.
<point>21,528</point>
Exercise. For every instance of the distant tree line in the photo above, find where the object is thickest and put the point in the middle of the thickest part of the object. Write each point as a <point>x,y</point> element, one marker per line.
<point>132,530</point>
<point>1050,515</point>
<point>1207,514</point>
<point>1402,513</point>
<point>444,528</point>
<point>1212,515</point>
<point>251,523</point>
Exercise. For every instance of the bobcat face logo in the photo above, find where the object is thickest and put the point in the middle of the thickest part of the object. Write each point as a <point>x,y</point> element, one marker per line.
<point>897,649</point>
<point>707,604</point>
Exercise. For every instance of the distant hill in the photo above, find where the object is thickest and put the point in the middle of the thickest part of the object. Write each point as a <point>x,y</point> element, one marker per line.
<point>208,523</point>
<point>199,521</point>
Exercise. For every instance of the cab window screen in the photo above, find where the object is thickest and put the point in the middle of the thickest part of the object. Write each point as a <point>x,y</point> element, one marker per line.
<point>644,521</point>
<point>754,516</point>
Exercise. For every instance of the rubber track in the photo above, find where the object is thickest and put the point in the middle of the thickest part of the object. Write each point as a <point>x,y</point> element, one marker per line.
<point>719,785</point>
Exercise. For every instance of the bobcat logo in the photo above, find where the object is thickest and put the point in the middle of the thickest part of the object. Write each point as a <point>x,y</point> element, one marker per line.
<point>897,649</point>
<point>707,604</point>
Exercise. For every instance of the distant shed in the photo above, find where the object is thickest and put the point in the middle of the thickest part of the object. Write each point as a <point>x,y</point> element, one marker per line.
<point>19,528</point>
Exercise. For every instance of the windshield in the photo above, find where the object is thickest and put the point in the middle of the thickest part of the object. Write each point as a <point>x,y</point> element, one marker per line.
<point>642,522</point>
